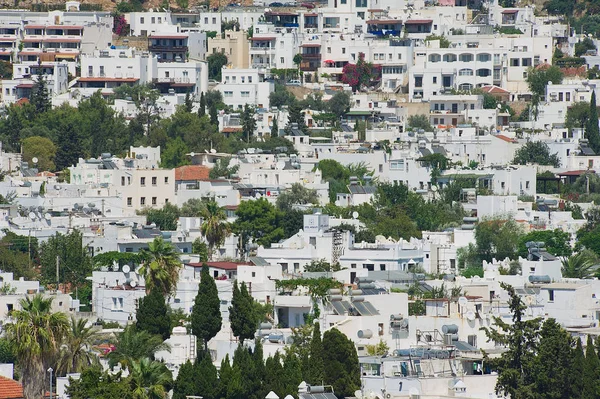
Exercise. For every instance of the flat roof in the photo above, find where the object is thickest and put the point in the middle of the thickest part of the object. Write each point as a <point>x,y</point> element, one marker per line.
<point>108,79</point>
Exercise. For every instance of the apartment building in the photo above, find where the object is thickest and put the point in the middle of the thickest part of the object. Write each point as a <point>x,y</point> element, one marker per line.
<point>55,74</point>
<point>245,86</point>
<point>234,44</point>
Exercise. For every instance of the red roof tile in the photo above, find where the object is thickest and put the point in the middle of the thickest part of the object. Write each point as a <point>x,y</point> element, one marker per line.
<point>494,90</point>
<point>191,173</point>
<point>10,389</point>
<point>504,138</point>
<point>218,265</point>
<point>576,172</point>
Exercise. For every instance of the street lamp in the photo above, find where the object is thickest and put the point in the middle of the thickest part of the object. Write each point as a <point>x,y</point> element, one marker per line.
<point>50,371</point>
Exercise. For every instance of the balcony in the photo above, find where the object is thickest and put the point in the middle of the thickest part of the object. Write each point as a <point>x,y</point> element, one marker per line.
<point>169,49</point>
<point>170,80</point>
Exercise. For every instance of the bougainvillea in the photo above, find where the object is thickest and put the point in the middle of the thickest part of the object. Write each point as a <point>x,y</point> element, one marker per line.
<point>120,25</point>
<point>361,74</point>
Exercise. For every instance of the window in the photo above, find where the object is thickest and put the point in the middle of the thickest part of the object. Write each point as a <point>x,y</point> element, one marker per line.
<point>343,50</point>
<point>313,241</point>
<point>166,180</point>
<point>245,94</point>
<point>90,70</point>
<point>281,60</point>
<point>142,181</point>
<point>329,50</point>
<point>153,200</point>
<point>253,274</point>
<point>568,96</point>
<point>250,77</point>
<point>353,265</point>
<point>159,20</point>
<point>380,329</point>
<point>435,79</point>
<point>141,20</point>
<point>551,295</point>
<point>465,72</point>
<point>154,180</point>
<point>129,201</point>
<point>418,81</point>
<point>397,164</point>
<point>153,20</point>
<point>214,20</point>
<point>514,62</point>
<point>472,339</point>
<point>142,201</point>
<point>122,180</point>
<point>382,267</point>
<point>228,94</point>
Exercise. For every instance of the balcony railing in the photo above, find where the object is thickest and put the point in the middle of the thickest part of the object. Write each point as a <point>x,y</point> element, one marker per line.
<point>167,48</point>
<point>171,80</point>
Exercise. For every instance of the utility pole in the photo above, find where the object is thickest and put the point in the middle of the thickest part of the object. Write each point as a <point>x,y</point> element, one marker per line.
<point>57,268</point>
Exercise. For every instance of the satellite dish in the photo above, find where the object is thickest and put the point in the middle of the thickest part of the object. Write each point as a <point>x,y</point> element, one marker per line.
<point>126,269</point>
<point>32,215</point>
<point>47,216</point>
<point>462,301</point>
<point>470,315</point>
<point>192,154</point>
<point>133,283</point>
<point>34,160</point>
<point>213,151</point>
<point>354,215</point>
<point>280,165</point>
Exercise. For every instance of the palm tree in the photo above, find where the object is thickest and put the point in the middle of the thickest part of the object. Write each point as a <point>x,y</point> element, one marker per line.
<point>133,345</point>
<point>150,379</point>
<point>214,225</point>
<point>76,351</point>
<point>580,265</point>
<point>160,267</point>
<point>36,333</point>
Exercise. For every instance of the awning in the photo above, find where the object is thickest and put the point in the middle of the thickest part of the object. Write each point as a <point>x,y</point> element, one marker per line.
<point>510,11</point>
<point>25,86</point>
<point>69,56</point>
<point>311,45</point>
<point>256,39</point>
<point>418,21</point>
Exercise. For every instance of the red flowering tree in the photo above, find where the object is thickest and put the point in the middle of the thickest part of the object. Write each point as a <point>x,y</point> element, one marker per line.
<point>360,74</point>
<point>120,25</point>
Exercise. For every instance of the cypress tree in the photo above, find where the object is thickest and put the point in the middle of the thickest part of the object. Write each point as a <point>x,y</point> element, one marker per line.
<point>202,109</point>
<point>206,313</point>
<point>243,364</point>
<point>241,313</point>
<point>205,374</point>
<point>292,376</point>
<point>188,104</point>
<point>273,373</point>
<point>39,97</point>
<point>152,315</point>
<point>225,374</point>
<point>591,369</point>
<point>214,115</point>
<point>275,128</point>
<point>185,384</point>
<point>577,382</point>
<point>343,370</point>
<point>315,372</point>
<point>592,130</point>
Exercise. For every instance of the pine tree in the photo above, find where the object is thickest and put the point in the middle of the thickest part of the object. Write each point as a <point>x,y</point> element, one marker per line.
<point>241,313</point>
<point>248,122</point>
<point>591,370</point>
<point>205,374</point>
<point>185,384</point>
<point>592,130</point>
<point>243,363</point>
<point>152,315</point>
<point>206,313</point>
<point>577,382</point>
<point>39,97</point>
<point>275,128</point>
<point>342,371</point>
<point>315,371</point>
<point>202,108</point>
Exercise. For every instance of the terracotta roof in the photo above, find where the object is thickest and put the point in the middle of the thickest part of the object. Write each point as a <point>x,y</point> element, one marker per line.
<point>70,27</point>
<point>191,173</point>
<point>418,21</point>
<point>231,129</point>
<point>504,138</point>
<point>510,11</point>
<point>22,101</point>
<point>62,40</point>
<point>218,265</point>
<point>494,90</point>
<point>10,389</point>
<point>576,172</point>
